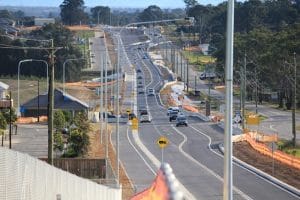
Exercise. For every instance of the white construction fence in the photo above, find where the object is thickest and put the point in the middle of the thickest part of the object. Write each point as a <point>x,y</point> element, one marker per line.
<point>23,177</point>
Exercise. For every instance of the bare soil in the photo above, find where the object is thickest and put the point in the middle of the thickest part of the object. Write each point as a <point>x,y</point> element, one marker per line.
<point>283,172</point>
<point>97,150</point>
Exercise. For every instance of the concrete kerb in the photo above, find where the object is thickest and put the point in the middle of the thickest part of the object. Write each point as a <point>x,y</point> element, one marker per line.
<point>262,174</point>
<point>192,114</point>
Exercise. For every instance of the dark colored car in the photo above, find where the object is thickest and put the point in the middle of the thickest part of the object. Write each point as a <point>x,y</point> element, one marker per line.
<point>173,115</point>
<point>181,120</point>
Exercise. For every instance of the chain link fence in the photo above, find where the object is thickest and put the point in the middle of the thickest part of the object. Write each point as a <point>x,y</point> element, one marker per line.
<point>23,177</point>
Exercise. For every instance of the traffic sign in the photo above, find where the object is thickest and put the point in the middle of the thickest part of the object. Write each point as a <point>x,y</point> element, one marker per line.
<point>135,124</point>
<point>162,142</point>
<point>252,120</point>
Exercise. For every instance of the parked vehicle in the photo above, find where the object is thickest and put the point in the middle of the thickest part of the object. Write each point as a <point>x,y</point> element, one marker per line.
<point>181,120</point>
<point>208,75</point>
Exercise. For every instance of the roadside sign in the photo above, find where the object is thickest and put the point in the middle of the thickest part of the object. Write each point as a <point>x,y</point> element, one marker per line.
<point>252,120</point>
<point>162,142</point>
<point>135,124</point>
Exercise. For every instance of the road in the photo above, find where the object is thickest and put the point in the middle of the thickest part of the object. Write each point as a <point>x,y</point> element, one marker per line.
<point>269,126</point>
<point>31,139</point>
<point>191,152</point>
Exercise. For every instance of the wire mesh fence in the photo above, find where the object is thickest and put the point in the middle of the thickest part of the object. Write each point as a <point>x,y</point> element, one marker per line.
<point>23,177</point>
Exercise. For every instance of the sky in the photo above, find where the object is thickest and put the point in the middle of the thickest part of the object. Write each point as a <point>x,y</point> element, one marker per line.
<point>110,3</point>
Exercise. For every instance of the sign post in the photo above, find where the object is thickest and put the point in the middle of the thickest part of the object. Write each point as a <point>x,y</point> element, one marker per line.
<point>162,142</point>
<point>135,124</point>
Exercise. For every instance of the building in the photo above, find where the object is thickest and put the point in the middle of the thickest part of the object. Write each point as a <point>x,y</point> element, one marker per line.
<point>62,101</point>
<point>43,21</point>
<point>4,101</point>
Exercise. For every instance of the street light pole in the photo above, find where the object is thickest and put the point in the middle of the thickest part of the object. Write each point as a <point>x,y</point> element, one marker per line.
<point>227,186</point>
<point>19,68</point>
<point>64,71</point>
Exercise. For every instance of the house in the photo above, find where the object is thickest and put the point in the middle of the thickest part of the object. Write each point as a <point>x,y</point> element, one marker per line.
<point>62,101</point>
<point>4,101</point>
<point>43,21</point>
<point>8,26</point>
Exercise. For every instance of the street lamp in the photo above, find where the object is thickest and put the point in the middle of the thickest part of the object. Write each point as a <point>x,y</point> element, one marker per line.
<point>190,20</point>
<point>19,66</point>
<point>64,70</point>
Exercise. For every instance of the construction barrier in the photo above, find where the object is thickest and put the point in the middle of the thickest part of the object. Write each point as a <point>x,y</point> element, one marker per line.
<point>277,155</point>
<point>28,120</point>
<point>164,187</point>
<point>262,137</point>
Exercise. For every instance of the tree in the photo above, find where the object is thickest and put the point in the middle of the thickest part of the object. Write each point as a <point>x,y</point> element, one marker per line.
<point>3,123</point>
<point>81,122</point>
<point>59,120</point>
<point>72,12</point>
<point>104,14</point>
<point>78,143</point>
<point>152,13</point>
<point>190,3</point>
<point>6,115</point>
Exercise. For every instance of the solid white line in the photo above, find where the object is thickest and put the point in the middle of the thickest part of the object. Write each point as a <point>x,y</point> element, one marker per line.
<point>141,156</point>
<point>203,166</point>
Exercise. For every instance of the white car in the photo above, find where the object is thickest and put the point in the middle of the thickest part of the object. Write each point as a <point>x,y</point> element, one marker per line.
<point>145,118</point>
<point>151,92</point>
<point>171,109</point>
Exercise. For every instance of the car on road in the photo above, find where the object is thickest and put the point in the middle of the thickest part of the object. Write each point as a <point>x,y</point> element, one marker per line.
<point>173,115</point>
<point>170,109</point>
<point>140,86</point>
<point>139,70</point>
<point>141,91</point>
<point>151,92</point>
<point>145,118</point>
<point>139,77</point>
<point>181,120</point>
<point>207,75</point>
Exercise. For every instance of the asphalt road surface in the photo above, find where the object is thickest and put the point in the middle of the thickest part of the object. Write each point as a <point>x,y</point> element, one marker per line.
<point>192,152</point>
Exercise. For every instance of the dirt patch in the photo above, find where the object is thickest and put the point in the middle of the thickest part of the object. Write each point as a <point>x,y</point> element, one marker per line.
<point>97,150</point>
<point>285,173</point>
<point>111,49</point>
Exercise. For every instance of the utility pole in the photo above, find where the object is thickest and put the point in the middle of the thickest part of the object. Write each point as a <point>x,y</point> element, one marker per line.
<point>176,63</point>
<point>244,92</point>
<point>256,89</point>
<point>181,67</point>
<point>51,104</point>
<point>117,114</point>
<point>10,113</point>
<point>101,102</point>
<point>295,101</point>
<point>38,93</point>
<point>187,75</point>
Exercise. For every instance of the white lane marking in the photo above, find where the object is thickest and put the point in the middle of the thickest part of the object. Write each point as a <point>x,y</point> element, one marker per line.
<point>141,156</point>
<point>157,163</point>
<point>238,165</point>
<point>203,166</point>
